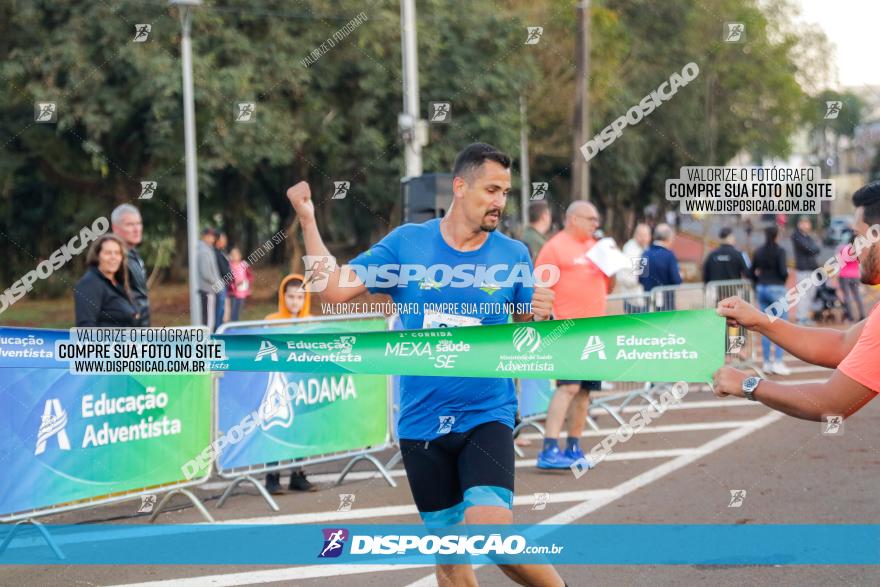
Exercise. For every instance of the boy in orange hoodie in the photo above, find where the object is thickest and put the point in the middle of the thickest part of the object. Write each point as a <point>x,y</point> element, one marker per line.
<point>293,302</point>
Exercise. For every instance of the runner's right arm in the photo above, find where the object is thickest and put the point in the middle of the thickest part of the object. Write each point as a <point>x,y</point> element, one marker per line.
<point>300,197</point>
<point>825,347</point>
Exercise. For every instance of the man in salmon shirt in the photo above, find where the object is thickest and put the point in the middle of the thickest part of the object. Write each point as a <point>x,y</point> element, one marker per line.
<point>854,354</point>
<point>580,293</point>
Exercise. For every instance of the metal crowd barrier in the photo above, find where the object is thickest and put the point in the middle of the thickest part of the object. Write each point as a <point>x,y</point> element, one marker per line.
<point>30,514</point>
<point>623,393</point>
<point>245,474</point>
<point>742,345</point>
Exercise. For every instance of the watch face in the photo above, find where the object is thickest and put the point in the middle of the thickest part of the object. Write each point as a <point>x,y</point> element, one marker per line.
<point>750,383</point>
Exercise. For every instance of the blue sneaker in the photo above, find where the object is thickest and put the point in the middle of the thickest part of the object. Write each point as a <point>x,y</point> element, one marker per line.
<point>553,458</point>
<point>574,452</point>
<point>577,456</point>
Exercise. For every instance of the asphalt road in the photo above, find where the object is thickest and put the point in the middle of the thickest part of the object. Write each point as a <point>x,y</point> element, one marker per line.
<point>679,470</point>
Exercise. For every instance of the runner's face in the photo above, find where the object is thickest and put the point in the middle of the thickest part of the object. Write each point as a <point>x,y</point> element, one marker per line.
<point>485,194</point>
<point>294,298</point>
<point>869,257</point>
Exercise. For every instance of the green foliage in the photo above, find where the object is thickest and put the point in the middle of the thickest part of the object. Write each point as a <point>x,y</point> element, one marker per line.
<point>120,107</point>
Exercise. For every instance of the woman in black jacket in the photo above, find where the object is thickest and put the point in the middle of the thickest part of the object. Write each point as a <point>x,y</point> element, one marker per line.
<point>101,297</point>
<point>769,271</point>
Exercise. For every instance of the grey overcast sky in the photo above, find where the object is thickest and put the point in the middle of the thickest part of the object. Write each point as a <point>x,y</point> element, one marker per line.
<point>851,25</point>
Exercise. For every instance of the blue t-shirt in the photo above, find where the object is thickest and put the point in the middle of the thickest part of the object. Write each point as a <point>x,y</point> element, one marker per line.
<point>488,283</point>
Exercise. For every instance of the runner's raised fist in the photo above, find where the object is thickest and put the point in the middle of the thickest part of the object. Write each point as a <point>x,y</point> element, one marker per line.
<point>542,303</point>
<point>300,197</point>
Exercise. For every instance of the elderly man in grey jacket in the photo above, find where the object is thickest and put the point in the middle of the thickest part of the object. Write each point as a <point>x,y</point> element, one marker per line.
<point>208,277</point>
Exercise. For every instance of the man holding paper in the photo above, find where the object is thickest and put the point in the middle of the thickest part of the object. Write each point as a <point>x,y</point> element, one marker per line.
<point>586,270</point>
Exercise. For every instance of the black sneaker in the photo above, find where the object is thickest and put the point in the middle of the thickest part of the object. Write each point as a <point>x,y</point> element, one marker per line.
<point>298,482</point>
<point>273,484</point>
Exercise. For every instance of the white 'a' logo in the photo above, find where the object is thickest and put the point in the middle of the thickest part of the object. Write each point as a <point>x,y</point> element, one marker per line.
<point>267,349</point>
<point>594,345</point>
<point>52,424</point>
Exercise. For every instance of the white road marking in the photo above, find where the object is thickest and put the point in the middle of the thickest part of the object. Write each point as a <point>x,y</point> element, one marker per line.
<point>272,576</point>
<point>632,455</point>
<point>579,511</point>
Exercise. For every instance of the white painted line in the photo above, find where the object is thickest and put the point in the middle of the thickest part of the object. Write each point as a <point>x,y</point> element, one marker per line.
<point>400,510</point>
<point>272,576</point>
<point>695,427</point>
<point>633,455</point>
<point>660,471</point>
<point>576,512</point>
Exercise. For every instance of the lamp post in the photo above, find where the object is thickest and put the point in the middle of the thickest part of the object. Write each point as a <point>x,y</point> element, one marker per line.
<point>189,132</point>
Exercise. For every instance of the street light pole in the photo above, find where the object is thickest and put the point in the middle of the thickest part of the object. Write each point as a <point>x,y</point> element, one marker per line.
<point>189,133</point>
<point>410,118</point>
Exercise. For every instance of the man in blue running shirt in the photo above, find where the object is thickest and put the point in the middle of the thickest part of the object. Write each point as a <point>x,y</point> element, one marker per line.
<point>456,434</point>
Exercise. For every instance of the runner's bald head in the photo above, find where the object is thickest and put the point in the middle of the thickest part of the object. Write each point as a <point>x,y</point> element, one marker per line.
<point>580,206</point>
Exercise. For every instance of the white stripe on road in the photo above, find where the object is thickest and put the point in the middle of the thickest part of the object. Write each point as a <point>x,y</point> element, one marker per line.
<point>401,510</point>
<point>660,471</point>
<point>632,455</point>
<point>723,425</point>
<point>574,513</point>
<point>272,576</point>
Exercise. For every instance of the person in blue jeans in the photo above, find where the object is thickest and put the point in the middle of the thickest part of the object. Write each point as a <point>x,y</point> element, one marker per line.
<point>769,271</point>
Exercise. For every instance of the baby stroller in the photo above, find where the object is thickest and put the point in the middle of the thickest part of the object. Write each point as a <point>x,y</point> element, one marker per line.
<point>825,303</point>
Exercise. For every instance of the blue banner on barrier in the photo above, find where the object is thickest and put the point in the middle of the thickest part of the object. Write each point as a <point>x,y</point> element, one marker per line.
<point>222,544</point>
<point>67,437</point>
<point>535,396</point>
<point>311,414</point>
<point>30,347</point>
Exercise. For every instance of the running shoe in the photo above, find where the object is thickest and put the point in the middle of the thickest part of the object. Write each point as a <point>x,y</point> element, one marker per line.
<point>553,458</point>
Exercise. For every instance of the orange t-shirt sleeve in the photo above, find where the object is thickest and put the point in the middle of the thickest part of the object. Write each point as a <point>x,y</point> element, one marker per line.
<point>547,256</point>
<point>863,362</point>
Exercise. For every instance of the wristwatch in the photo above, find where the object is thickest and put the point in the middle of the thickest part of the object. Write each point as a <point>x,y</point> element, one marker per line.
<point>750,384</point>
